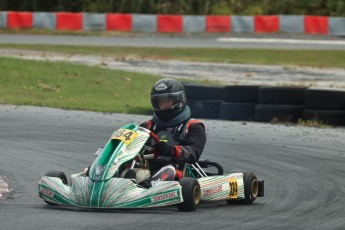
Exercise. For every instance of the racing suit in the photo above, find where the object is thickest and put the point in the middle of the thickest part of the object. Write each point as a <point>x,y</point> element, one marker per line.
<point>187,140</point>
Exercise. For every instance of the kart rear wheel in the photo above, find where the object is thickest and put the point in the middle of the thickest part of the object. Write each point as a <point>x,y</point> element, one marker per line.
<point>57,174</point>
<point>251,189</point>
<point>191,194</point>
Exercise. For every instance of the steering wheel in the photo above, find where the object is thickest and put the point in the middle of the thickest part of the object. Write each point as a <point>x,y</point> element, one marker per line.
<point>162,159</point>
<point>154,137</point>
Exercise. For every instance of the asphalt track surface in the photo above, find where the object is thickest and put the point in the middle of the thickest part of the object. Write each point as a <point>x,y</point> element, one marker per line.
<point>303,169</point>
<point>261,41</point>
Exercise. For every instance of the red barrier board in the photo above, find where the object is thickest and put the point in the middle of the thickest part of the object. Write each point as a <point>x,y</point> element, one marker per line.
<point>69,21</point>
<point>120,22</point>
<point>19,20</point>
<point>266,24</point>
<point>169,23</point>
<point>217,24</point>
<point>315,25</point>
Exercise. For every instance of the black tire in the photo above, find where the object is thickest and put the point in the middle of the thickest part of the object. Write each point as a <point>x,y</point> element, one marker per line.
<point>57,174</point>
<point>196,107</point>
<point>282,95</point>
<point>325,99</point>
<point>205,108</point>
<point>268,113</point>
<point>211,108</point>
<point>202,92</point>
<point>251,189</point>
<point>191,194</point>
<point>237,111</point>
<point>330,117</point>
<point>241,93</point>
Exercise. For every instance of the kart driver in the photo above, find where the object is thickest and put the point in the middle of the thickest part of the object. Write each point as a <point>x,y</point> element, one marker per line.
<point>182,139</point>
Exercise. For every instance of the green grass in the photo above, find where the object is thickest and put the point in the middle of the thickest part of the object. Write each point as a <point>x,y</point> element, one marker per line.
<point>70,86</point>
<point>313,123</point>
<point>313,58</point>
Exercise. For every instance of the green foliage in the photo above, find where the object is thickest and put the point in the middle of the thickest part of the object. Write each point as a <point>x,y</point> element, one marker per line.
<point>253,10</point>
<point>221,8</point>
<point>190,7</point>
<point>336,8</point>
<point>97,6</point>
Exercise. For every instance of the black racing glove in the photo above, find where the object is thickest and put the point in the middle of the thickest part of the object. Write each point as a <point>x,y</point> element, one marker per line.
<point>164,149</point>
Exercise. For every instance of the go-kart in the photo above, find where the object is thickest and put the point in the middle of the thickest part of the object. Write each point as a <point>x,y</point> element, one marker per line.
<point>105,185</point>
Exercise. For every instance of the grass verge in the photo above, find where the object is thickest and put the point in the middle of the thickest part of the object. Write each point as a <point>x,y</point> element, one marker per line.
<point>314,123</point>
<point>71,86</point>
<point>313,58</point>
<point>301,122</point>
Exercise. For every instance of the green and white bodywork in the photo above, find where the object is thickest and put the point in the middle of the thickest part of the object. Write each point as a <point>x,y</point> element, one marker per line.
<point>103,189</point>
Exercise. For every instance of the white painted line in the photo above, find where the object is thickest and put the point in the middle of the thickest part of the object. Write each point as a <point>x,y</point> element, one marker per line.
<point>289,41</point>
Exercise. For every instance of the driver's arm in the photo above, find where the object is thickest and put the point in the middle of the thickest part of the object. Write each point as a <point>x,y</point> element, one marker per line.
<point>192,145</point>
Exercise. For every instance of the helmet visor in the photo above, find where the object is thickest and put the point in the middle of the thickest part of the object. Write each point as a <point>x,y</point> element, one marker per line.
<point>165,101</point>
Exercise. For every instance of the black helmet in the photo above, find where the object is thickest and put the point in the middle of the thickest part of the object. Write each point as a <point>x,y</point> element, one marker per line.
<point>171,91</point>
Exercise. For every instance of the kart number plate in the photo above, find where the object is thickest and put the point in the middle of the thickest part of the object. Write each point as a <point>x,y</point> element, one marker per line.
<point>125,135</point>
<point>233,188</point>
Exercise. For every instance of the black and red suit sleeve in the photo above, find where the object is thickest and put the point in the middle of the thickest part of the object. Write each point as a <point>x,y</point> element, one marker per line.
<point>192,145</point>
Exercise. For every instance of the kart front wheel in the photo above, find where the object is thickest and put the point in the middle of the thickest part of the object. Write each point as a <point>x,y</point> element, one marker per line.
<point>57,174</point>
<point>191,194</point>
<point>251,189</point>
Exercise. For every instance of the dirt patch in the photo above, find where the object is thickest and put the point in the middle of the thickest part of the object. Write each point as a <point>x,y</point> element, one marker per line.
<point>227,74</point>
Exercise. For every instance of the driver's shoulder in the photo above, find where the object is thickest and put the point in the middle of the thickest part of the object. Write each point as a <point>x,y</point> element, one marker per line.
<point>194,123</point>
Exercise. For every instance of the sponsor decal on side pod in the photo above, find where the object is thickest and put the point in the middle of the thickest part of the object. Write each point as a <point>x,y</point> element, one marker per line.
<point>46,192</point>
<point>164,196</point>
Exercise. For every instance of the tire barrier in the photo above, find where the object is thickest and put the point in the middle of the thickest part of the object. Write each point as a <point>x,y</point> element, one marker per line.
<point>325,99</point>
<point>237,111</point>
<point>267,103</point>
<point>201,92</point>
<point>239,102</point>
<point>173,23</point>
<point>69,21</point>
<point>208,109</point>
<point>326,106</point>
<point>204,101</point>
<point>268,113</point>
<point>241,93</point>
<point>196,108</point>
<point>212,108</point>
<point>332,117</point>
<point>281,95</point>
<point>282,103</point>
